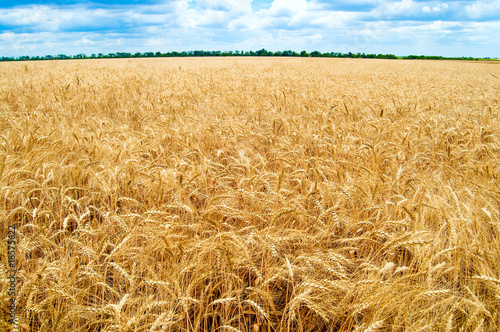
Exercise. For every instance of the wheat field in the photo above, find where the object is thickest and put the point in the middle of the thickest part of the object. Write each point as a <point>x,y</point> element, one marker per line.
<point>251,194</point>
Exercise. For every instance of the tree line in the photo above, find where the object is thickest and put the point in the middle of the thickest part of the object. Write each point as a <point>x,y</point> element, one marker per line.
<point>262,52</point>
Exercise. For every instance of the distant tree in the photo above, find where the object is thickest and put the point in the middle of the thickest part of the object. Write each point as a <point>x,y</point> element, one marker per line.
<point>386,56</point>
<point>262,52</point>
<point>123,55</point>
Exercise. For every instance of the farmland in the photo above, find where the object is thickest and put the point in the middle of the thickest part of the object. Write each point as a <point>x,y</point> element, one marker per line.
<point>245,194</point>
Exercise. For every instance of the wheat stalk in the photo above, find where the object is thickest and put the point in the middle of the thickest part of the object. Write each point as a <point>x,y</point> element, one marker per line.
<point>269,194</point>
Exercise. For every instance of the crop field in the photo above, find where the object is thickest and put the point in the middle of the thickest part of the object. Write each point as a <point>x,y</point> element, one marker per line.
<point>250,194</point>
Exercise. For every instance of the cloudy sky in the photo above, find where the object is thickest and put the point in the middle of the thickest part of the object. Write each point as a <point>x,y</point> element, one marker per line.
<point>402,27</point>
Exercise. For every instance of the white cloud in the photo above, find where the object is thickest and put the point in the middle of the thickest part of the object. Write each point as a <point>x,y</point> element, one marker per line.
<point>86,41</point>
<point>335,19</point>
<point>225,5</point>
<point>285,8</point>
<point>436,8</point>
<point>482,9</point>
<point>80,18</point>
<point>400,7</point>
<point>440,7</point>
<point>45,18</point>
<point>382,26</point>
<point>316,37</point>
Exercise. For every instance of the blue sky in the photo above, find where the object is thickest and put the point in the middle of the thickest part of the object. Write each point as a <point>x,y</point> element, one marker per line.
<point>402,27</point>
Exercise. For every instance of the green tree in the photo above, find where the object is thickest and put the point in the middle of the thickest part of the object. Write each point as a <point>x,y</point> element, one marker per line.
<point>262,52</point>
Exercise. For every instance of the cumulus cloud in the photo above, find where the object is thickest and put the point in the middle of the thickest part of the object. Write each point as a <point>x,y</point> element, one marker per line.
<point>285,8</point>
<point>225,5</point>
<point>483,9</point>
<point>385,26</point>
<point>436,8</point>
<point>81,18</point>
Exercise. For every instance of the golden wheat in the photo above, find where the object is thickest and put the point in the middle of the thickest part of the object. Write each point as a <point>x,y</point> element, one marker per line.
<point>251,194</point>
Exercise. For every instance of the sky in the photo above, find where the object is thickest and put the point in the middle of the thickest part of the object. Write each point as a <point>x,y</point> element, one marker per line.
<point>448,28</point>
